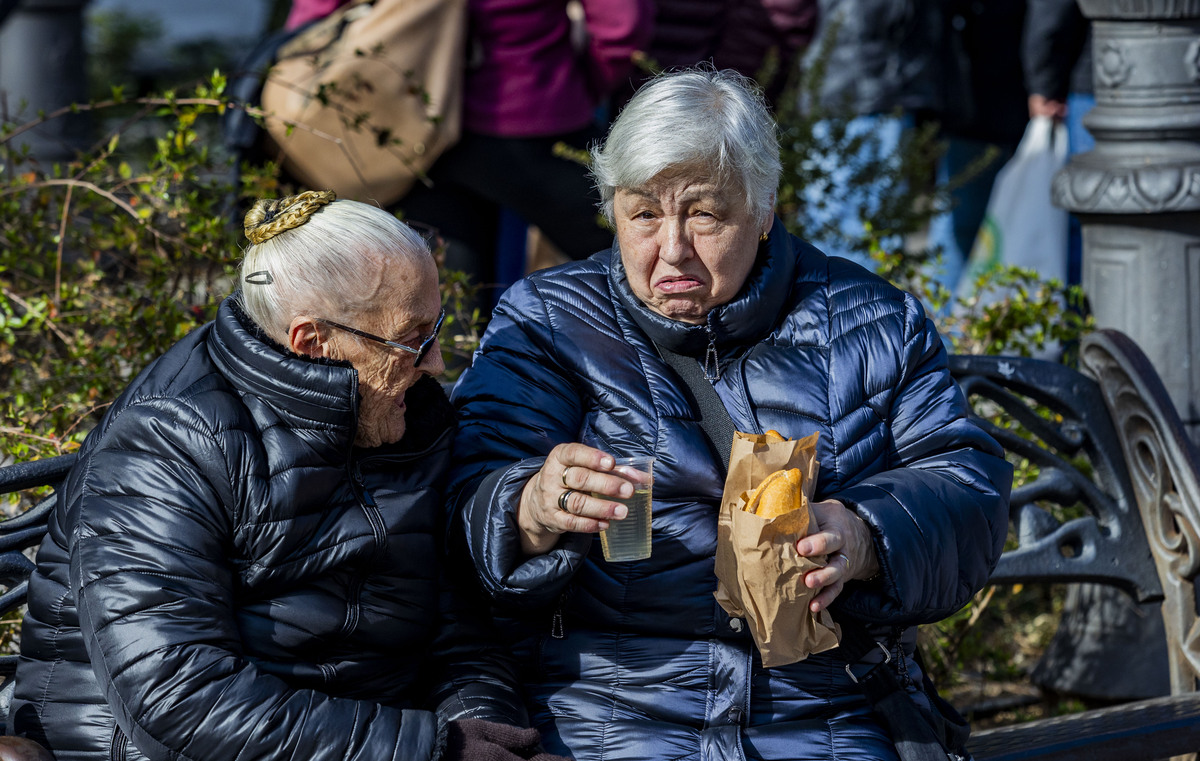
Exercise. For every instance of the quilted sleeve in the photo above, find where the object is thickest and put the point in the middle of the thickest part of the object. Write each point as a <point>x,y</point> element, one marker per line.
<point>515,404</point>
<point>939,514</point>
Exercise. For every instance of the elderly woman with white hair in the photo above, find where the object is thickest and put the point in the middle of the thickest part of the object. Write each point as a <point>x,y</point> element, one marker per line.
<point>705,295</point>
<point>245,562</point>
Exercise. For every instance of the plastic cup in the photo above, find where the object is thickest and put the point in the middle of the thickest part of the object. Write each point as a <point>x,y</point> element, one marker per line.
<point>629,539</point>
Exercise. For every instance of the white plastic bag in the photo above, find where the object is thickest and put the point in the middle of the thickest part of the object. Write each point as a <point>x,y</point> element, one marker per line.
<point>1022,227</point>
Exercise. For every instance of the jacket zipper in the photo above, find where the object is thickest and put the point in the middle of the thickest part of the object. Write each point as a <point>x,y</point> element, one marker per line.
<point>118,749</point>
<point>557,629</point>
<point>371,511</point>
<point>710,355</point>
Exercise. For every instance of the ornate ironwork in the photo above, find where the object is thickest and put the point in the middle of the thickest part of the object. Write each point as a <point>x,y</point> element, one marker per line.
<point>24,532</point>
<point>1057,417</point>
<point>1163,466</point>
<point>1137,193</point>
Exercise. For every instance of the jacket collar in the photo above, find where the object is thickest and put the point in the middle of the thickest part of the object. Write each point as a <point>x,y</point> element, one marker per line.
<point>314,393</point>
<point>743,321</point>
<point>303,391</point>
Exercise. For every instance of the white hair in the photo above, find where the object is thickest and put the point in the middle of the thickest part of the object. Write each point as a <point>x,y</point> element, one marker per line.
<point>715,122</point>
<point>326,267</point>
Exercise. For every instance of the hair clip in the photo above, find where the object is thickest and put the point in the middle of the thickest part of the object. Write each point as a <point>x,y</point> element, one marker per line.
<point>262,277</point>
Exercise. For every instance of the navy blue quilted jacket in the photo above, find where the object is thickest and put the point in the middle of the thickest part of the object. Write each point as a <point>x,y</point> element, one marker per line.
<point>227,577</point>
<point>637,660</point>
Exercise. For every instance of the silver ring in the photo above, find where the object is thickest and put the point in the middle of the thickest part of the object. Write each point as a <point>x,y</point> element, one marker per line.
<point>563,478</point>
<point>843,556</point>
<point>562,500</point>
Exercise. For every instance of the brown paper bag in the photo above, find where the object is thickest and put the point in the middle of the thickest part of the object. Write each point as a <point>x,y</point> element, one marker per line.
<point>760,576</point>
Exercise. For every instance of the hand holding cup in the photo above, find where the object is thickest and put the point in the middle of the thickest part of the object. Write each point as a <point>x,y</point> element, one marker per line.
<point>575,490</point>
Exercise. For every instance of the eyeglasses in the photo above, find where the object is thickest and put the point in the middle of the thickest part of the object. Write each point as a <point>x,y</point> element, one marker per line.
<point>426,343</point>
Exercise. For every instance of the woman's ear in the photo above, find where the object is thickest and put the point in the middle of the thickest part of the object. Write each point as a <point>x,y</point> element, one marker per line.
<point>769,216</point>
<point>304,338</point>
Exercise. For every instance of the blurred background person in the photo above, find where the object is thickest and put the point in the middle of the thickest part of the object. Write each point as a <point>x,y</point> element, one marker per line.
<point>304,11</point>
<point>984,42</point>
<point>885,65</point>
<point>536,73</point>
<point>1056,54</point>
<point>747,36</point>
<point>530,84</point>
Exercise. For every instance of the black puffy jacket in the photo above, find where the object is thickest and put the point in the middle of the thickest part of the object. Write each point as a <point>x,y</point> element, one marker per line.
<point>226,576</point>
<point>886,54</point>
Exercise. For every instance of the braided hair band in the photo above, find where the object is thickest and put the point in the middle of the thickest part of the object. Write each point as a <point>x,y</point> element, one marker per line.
<point>269,217</point>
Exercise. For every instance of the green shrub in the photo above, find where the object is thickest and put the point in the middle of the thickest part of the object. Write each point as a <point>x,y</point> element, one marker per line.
<point>109,259</point>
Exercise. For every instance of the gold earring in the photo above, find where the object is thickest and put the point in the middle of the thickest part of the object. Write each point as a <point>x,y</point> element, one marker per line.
<point>763,237</point>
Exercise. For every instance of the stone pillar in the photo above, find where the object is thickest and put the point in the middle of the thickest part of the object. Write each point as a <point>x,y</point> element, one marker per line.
<point>1137,194</point>
<point>42,69</point>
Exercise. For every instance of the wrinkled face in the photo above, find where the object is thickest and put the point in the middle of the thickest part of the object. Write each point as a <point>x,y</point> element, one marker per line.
<point>687,244</point>
<point>409,303</point>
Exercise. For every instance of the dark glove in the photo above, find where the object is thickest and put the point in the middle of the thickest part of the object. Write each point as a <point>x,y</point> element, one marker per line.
<point>479,740</point>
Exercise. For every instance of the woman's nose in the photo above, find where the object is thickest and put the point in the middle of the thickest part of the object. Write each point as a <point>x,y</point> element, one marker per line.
<point>432,363</point>
<point>674,246</point>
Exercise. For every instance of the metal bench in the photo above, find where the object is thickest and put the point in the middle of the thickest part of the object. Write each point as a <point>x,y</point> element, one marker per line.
<point>1139,534</point>
<point>1138,481</point>
<point>17,535</point>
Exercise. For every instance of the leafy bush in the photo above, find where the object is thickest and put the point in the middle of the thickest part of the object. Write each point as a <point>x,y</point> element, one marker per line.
<point>109,259</point>
<point>106,261</point>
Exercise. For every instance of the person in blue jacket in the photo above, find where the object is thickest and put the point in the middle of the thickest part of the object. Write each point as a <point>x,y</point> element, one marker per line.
<point>636,660</point>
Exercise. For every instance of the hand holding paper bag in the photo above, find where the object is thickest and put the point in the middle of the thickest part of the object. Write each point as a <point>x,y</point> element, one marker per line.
<point>760,573</point>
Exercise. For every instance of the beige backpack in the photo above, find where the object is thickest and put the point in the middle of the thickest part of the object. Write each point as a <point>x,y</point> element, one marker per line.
<point>366,99</point>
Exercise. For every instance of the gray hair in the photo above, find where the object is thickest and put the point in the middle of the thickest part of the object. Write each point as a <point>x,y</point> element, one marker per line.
<point>326,267</point>
<point>713,121</point>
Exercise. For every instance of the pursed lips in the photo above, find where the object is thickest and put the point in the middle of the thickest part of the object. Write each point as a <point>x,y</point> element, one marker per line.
<point>677,284</point>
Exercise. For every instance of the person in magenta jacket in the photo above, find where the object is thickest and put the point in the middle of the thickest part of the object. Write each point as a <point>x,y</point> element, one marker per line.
<point>304,11</point>
<point>534,78</point>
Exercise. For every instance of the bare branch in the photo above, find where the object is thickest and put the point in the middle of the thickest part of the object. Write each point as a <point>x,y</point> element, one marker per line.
<point>62,239</point>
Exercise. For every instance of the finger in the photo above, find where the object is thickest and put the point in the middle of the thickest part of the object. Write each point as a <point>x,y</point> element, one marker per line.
<point>599,484</point>
<point>583,513</point>
<point>829,580</point>
<point>633,475</point>
<point>831,572</point>
<point>820,543</point>
<point>588,506</point>
<point>830,532</point>
<point>574,453</point>
<point>826,597</point>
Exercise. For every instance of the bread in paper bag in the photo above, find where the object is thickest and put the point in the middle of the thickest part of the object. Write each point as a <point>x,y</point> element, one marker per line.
<point>779,493</point>
<point>765,510</point>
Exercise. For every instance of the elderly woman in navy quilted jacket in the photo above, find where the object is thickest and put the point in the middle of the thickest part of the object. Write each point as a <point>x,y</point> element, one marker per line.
<point>636,660</point>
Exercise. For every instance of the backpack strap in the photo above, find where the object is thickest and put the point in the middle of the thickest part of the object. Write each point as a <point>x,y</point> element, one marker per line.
<point>714,418</point>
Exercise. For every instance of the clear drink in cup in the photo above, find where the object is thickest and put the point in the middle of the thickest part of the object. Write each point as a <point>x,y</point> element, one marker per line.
<point>629,539</point>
